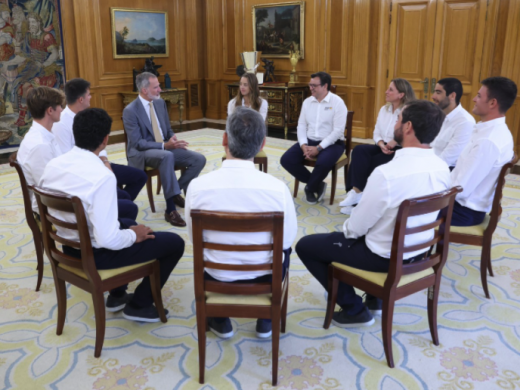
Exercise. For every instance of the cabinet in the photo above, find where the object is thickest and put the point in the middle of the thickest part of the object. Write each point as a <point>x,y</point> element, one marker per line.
<point>284,103</point>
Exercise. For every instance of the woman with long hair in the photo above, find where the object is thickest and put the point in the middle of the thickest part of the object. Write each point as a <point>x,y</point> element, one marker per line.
<point>366,158</point>
<point>248,96</point>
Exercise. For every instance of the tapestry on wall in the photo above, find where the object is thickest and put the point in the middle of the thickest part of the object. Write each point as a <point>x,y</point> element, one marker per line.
<point>31,55</point>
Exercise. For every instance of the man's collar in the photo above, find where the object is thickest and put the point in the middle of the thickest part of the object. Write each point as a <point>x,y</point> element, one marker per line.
<point>454,112</point>
<point>238,164</point>
<point>411,151</point>
<point>325,99</point>
<point>491,123</point>
<point>46,133</point>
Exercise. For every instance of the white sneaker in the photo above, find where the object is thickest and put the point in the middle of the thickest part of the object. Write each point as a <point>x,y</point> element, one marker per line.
<point>352,198</point>
<point>347,210</point>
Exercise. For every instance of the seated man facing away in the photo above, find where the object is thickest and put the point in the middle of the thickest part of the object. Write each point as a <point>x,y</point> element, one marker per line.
<point>490,148</point>
<point>151,143</point>
<point>39,145</point>
<point>77,94</point>
<point>239,187</point>
<point>458,126</point>
<point>321,130</point>
<point>366,240</point>
<point>81,173</point>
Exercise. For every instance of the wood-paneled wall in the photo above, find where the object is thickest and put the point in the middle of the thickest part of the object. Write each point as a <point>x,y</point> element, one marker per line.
<point>88,51</point>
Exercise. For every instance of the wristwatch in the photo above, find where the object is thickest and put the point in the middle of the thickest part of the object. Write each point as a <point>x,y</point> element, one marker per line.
<point>319,148</point>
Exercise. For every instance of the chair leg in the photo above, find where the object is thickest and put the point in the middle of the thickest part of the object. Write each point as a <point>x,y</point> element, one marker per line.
<point>99,312</point>
<point>433,299</point>
<point>331,297</point>
<point>284,307</point>
<point>386,324</point>
<point>264,166</point>
<point>276,342</point>
<point>333,186</point>
<point>155,284</point>
<point>486,252</point>
<point>202,327</point>
<point>296,184</point>
<point>39,261</point>
<point>150,193</point>
<point>159,184</point>
<point>345,172</point>
<point>61,295</point>
<point>485,260</point>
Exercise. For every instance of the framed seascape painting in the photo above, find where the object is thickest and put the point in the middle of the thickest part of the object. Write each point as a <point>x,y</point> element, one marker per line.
<point>279,29</point>
<point>139,33</point>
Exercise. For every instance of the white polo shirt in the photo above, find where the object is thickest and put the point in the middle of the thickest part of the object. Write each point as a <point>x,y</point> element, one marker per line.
<point>478,167</point>
<point>386,120</point>
<point>322,121</point>
<point>454,135</point>
<point>239,187</point>
<point>413,172</point>
<point>81,173</point>
<point>262,110</point>
<point>37,149</point>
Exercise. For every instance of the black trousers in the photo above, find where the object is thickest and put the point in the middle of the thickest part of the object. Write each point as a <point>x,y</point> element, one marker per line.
<point>167,248</point>
<point>292,160</point>
<point>132,180</point>
<point>365,158</point>
<point>464,216</point>
<point>317,251</point>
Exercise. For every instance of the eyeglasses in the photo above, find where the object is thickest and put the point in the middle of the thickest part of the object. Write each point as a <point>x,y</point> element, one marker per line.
<point>315,85</point>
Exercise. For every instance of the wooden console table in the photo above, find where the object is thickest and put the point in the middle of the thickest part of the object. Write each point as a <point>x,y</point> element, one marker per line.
<point>170,96</point>
<point>284,103</point>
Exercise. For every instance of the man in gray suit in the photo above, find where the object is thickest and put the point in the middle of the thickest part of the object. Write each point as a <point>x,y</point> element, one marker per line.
<point>151,143</point>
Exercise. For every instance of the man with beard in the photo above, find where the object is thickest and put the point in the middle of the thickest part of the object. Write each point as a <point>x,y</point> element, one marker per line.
<point>457,127</point>
<point>152,143</point>
<point>366,240</point>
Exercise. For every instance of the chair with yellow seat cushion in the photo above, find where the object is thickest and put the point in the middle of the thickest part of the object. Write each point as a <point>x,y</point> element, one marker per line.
<point>482,235</point>
<point>260,159</point>
<point>83,273</point>
<point>403,279</point>
<point>243,300</point>
<point>342,162</point>
<point>30,217</point>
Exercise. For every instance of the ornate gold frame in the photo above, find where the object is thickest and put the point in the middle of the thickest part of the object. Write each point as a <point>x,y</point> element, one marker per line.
<point>113,10</point>
<point>302,26</point>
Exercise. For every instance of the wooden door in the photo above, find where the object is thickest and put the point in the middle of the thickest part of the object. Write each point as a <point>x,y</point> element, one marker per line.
<point>459,43</point>
<point>412,33</point>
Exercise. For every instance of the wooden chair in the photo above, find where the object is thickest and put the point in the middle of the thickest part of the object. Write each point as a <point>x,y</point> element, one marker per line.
<point>342,162</point>
<point>151,172</point>
<point>482,235</point>
<point>403,279</point>
<point>32,221</point>
<point>243,300</point>
<point>83,273</point>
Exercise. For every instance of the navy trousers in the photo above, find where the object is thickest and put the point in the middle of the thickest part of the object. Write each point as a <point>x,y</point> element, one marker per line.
<point>365,158</point>
<point>464,216</point>
<point>167,248</point>
<point>317,251</point>
<point>132,180</point>
<point>292,160</point>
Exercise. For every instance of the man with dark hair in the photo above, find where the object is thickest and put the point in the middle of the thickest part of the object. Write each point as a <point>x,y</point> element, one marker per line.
<point>116,243</point>
<point>320,131</point>
<point>130,180</point>
<point>152,143</point>
<point>39,145</point>
<point>457,127</point>
<point>239,187</point>
<point>490,147</point>
<point>366,240</point>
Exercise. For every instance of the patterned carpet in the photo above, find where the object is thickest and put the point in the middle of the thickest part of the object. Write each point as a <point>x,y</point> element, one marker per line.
<point>480,338</point>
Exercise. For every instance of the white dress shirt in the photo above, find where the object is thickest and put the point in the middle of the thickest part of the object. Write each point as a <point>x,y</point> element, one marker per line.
<point>262,110</point>
<point>81,173</point>
<point>38,147</point>
<point>322,121</point>
<point>413,172</point>
<point>490,147</point>
<point>62,130</point>
<point>454,135</point>
<point>239,187</point>
<point>386,120</point>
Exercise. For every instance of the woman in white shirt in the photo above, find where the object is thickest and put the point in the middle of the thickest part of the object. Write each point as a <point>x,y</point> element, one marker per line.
<point>248,96</point>
<point>366,158</point>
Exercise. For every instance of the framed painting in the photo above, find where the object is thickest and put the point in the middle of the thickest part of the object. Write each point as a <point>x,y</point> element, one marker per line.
<point>279,28</point>
<point>139,33</point>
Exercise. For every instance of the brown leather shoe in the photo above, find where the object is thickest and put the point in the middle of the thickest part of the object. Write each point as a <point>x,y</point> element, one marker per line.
<point>179,201</point>
<point>174,218</point>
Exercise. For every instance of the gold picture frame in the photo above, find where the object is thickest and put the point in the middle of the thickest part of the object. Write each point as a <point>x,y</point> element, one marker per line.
<point>130,38</point>
<point>279,28</point>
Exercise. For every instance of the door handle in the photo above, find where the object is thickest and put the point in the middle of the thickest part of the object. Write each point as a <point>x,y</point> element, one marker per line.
<point>434,83</point>
<point>425,85</point>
